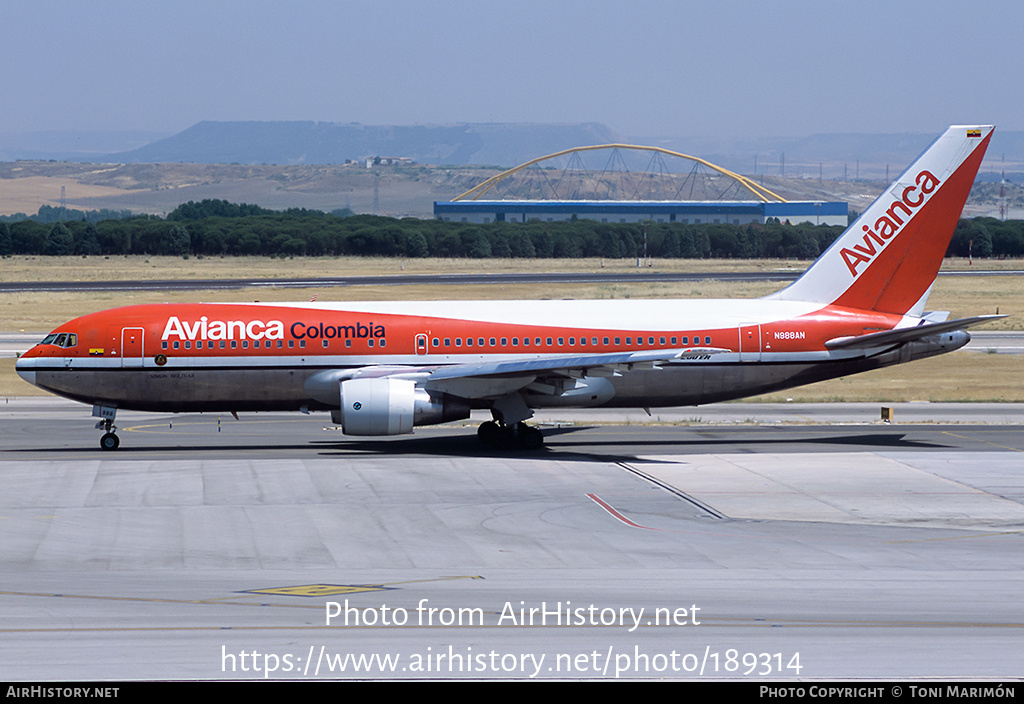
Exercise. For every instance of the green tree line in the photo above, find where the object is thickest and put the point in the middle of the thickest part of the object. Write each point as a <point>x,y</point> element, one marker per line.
<point>216,228</point>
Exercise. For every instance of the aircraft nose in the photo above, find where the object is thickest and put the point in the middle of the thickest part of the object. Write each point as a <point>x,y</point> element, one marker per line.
<point>25,371</point>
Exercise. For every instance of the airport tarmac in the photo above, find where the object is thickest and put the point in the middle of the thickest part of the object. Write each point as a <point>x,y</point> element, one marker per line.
<point>738,541</point>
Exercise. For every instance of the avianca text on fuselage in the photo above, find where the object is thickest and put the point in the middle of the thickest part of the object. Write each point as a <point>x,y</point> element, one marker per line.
<point>206,329</point>
<point>887,226</point>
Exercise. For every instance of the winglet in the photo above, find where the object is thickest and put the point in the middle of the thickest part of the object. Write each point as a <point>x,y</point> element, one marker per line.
<point>889,257</point>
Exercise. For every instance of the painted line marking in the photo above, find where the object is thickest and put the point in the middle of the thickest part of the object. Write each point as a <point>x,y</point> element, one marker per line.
<point>316,590</point>
<point>984,442</point>
<point>607,507</point>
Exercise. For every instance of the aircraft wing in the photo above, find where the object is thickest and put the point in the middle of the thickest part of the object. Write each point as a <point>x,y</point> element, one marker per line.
<point>901,335</point>
<point>587,364</point>
<point>487,379</point>
<point>492,379</point>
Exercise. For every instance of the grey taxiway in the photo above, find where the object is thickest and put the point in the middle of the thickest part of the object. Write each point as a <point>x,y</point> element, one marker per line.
<point>740,541</point>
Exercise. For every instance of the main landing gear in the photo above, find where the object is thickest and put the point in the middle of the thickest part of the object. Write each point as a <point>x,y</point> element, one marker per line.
<point>496,434</point>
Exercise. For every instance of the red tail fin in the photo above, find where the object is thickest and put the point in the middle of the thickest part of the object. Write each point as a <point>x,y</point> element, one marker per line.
<point>888,259</point>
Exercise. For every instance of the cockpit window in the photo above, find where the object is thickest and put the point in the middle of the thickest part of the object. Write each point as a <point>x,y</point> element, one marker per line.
<point>63,339</point>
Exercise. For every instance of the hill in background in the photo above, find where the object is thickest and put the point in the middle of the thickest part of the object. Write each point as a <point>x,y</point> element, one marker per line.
<point>334,143</point>
<point>302,164</point>
<point>833,156</point>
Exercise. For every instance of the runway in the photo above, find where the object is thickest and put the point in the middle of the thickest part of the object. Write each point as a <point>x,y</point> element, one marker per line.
<point>606,277</point>
<point>740,541</point>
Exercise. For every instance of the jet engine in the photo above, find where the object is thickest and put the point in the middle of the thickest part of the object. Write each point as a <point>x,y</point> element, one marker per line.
<point>385,406</point>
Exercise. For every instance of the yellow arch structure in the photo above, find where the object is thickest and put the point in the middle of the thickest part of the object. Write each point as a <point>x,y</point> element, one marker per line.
<point>760,192</point>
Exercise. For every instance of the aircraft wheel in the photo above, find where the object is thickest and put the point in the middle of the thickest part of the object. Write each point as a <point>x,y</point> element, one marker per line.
<point>489,433</point>
<point>530,437</point>
<point>109,441</point>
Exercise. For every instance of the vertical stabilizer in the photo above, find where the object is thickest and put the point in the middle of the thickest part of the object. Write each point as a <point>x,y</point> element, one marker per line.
<point>889,257</point>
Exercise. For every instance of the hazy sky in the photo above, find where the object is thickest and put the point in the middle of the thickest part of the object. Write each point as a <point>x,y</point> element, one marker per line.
<point>644,68</point>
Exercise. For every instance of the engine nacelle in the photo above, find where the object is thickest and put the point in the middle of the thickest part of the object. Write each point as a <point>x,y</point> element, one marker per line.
<point>385,406</point>
<point>377,406</point>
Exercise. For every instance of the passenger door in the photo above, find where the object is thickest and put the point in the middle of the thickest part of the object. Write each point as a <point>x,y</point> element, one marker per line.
<point>132,347</point>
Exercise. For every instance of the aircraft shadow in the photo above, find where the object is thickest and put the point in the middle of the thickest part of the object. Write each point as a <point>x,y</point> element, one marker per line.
<point>569,443</point>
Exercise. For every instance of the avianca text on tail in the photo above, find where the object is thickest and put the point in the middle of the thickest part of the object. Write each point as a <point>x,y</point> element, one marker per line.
<point>382,368</point>
<point>886,227</point>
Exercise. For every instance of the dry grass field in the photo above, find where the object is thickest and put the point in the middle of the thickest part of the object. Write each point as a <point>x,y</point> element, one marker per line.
<point>962,376</point>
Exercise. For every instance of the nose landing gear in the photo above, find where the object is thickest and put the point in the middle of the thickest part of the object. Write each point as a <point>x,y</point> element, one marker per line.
<point>109,441</point>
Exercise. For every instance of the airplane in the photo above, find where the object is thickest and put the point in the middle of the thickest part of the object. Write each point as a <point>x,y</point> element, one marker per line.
<point>382,368</point>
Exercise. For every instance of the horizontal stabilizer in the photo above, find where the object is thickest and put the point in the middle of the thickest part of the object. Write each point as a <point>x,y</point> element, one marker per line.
<point>895,337</point>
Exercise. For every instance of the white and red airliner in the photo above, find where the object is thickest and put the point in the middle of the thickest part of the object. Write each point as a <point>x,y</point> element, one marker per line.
<point>383,368</point>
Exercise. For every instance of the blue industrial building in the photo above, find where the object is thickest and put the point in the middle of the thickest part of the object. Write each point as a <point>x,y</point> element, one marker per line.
<point>615,211</point>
